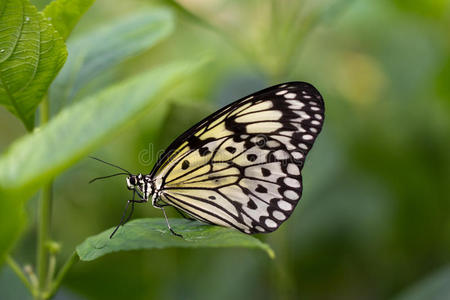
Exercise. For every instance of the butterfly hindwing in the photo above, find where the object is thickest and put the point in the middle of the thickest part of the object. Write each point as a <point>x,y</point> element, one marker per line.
<point>241,167</point>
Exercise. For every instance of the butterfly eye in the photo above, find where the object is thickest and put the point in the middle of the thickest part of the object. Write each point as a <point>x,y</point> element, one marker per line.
<point>132,181</point>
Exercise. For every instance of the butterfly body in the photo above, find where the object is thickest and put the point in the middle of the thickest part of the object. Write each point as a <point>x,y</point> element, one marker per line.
<point>143,185</point>
<point>241,166</point>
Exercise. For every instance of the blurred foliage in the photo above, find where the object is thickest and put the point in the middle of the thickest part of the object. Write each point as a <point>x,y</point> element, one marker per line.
<point>374,220</point>
<point>95,54</point>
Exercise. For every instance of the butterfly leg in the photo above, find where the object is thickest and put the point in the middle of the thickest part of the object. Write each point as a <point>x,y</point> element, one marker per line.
<point>132,208</point>
<point>168,225</point>
<point>122,220</point>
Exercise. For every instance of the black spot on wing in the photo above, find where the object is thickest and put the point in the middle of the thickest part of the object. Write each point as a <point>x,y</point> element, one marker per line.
<point>185,165</point>
<point>204,151</point>
<point>251,157</point>
<point>265,172</point>
<point>230,149</point>
<point>251,204</point>
<point>261,189</point>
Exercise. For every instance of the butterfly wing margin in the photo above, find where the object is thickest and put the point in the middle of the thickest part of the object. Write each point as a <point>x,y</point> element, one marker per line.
<point>241,167</point>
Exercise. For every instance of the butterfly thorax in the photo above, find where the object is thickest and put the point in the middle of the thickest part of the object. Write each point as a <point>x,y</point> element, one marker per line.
<point>142,184</point>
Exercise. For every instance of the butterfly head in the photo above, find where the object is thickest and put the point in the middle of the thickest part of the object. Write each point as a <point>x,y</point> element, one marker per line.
<point>135,181</point>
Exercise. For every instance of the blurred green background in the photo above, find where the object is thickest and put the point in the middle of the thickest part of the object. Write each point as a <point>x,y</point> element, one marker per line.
<point>374,220</point>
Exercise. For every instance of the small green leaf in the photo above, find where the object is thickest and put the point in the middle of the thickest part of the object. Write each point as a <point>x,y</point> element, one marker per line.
<point>36,158</point>
<point>93,55</point>
<point>154,234</point>
<point>31,54</point>
<point>64,14</point>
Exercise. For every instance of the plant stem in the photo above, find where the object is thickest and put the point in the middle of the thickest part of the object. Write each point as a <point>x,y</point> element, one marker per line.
<point>44,217</point>
<point>57,282</point>
<point>43,234</point>
<point>16,269</point>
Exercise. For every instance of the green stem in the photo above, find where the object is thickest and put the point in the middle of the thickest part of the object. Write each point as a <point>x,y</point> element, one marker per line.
<point>16,268</point>
<point>43,234</point>
<point>61,274</point>
<point>44,217</point>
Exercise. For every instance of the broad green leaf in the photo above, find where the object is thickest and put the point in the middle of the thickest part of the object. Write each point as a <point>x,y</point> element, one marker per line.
<point>31,54</point>
<point>95,54</point>
<point>64,14</point>
<point>434,287</point>
<point>79,129</point>
<point>154,234</point>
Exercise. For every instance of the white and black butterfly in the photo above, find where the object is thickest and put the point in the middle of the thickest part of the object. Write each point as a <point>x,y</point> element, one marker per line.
<point>241,166</point>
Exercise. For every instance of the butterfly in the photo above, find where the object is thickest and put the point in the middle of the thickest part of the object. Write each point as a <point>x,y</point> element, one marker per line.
<point>239,167</point>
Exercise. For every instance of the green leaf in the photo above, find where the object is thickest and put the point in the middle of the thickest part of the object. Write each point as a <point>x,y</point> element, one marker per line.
<point>154,234</point>
<point>64,14</point>
<point>434,287</point>
<point>93,55</point>
<point>31,54</point>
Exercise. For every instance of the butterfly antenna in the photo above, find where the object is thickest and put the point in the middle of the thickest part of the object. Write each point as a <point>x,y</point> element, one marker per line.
<point>103,177</point>
<point>105,162</point>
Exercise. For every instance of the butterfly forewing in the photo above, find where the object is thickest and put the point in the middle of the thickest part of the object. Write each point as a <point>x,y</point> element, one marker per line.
<point>241,167</point>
